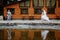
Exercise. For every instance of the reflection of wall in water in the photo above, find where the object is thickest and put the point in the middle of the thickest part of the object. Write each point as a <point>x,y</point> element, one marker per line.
<point>51,36</point>
<point>12,35</point>
<point>37,36</point>
<point>29,35</point>
<point>1,34</point>
<point>24,36</point>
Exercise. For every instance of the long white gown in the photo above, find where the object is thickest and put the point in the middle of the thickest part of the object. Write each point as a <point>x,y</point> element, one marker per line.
<point>44,18</point>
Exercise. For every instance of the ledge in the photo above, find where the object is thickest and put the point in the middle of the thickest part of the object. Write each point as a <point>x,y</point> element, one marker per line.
<point>30,24</point>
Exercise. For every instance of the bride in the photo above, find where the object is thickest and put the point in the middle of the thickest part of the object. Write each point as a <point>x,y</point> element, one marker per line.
<point>44,18</point>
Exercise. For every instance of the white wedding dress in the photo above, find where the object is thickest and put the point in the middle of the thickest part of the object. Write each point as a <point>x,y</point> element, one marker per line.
<point>44,16</point>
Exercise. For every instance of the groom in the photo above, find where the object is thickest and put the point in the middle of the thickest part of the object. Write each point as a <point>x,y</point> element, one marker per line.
<point>8,15</point>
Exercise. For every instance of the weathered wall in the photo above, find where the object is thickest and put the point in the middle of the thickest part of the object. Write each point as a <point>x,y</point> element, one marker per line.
<point>18,15</point>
